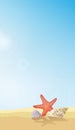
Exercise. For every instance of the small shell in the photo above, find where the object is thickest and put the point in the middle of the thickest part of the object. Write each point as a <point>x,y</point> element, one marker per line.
<point>58,113</point>
<point>36,114</point>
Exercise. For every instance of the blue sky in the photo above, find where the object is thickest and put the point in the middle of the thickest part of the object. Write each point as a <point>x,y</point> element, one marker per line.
<point>37,52</point>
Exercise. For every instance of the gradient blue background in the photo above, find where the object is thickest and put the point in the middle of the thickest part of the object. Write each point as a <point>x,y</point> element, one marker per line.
<point>42,54</point>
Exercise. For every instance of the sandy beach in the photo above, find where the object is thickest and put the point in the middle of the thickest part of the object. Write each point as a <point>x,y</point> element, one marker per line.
<point>21,120</point>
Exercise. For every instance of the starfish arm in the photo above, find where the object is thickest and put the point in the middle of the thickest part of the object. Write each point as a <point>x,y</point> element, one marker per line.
<point>43,99</point>
<point>44,112</point>
<point>53,101</point>
<point>38,106</point>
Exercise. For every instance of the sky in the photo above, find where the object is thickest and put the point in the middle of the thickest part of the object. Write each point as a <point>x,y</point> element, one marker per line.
<point>37,52</point>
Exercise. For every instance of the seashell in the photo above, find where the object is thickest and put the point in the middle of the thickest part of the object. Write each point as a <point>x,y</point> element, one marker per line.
<point>36,114</point>
<point>58,112</point>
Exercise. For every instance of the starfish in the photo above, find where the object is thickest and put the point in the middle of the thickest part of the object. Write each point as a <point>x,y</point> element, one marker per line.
<point>46,105</point>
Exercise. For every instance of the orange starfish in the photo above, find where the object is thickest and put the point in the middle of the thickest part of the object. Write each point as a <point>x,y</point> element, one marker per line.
<point>46,105</point>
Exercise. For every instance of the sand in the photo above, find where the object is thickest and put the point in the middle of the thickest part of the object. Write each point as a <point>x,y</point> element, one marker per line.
<point>21,120</point>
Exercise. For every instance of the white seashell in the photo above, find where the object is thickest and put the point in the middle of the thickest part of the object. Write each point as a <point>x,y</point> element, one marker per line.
<point>36,114</point>
<point>58,113</point>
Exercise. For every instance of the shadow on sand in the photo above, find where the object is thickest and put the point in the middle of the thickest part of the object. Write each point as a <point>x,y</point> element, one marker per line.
<point>49,120</point>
